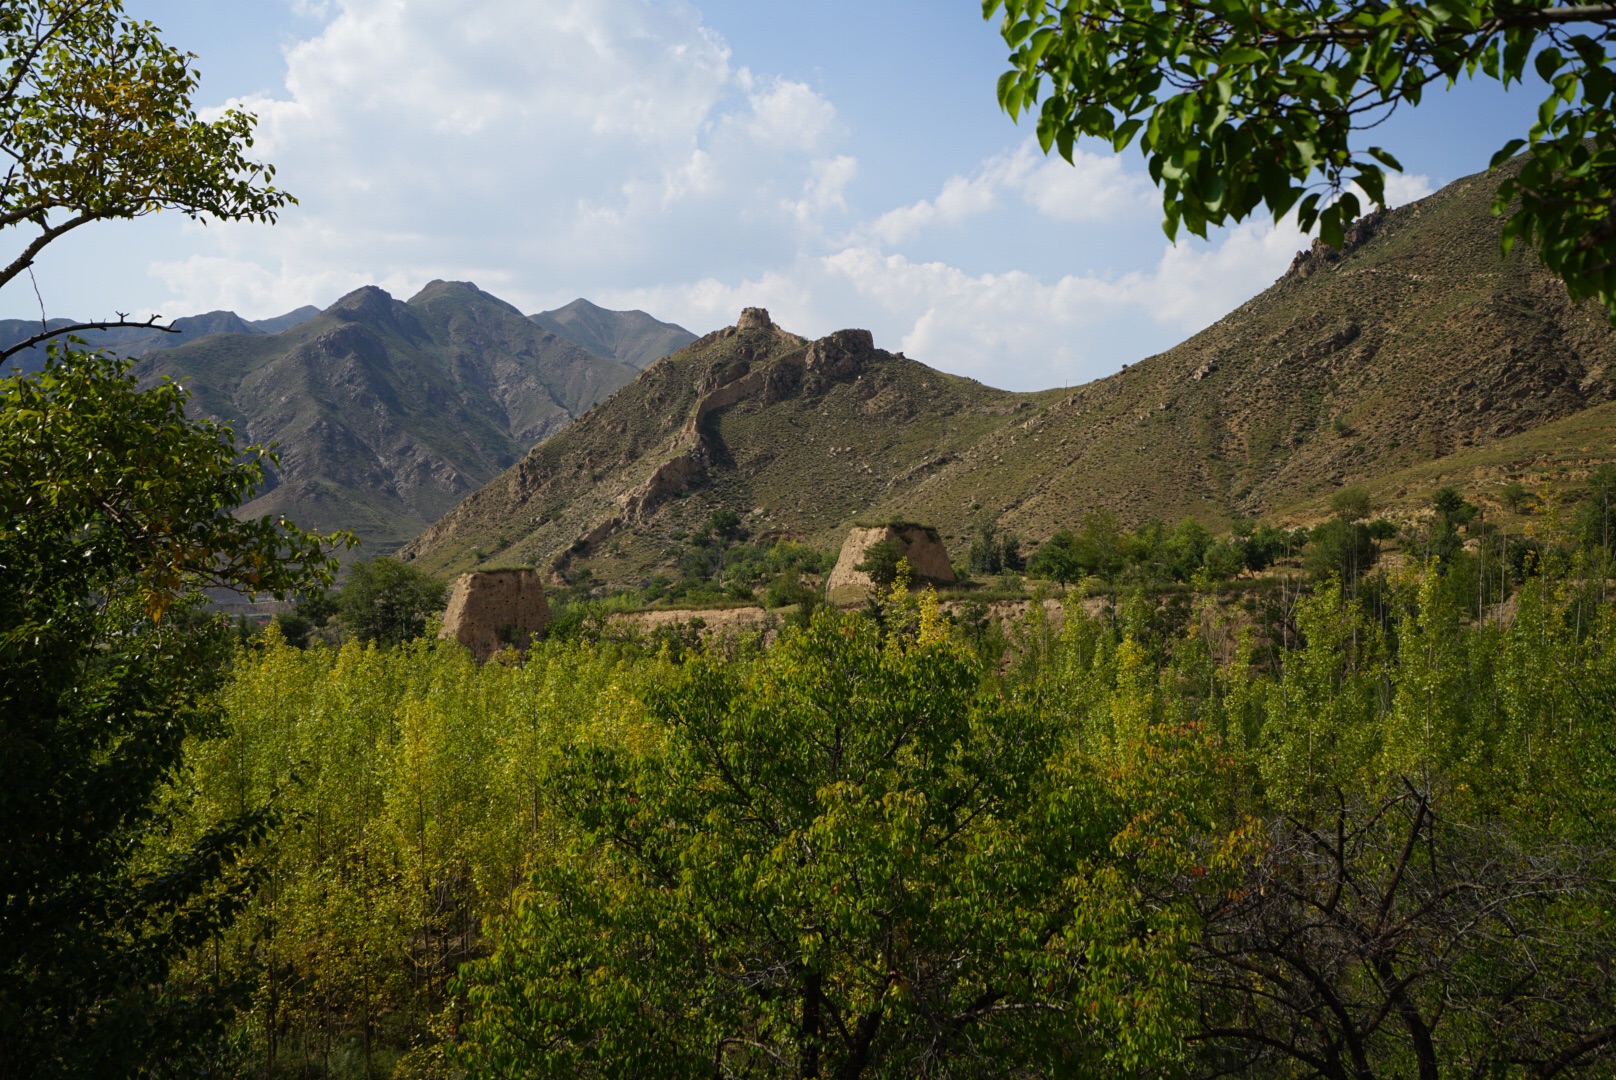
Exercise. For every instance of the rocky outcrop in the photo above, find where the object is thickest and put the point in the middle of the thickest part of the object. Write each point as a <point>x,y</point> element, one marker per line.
<point>839,356</point>
<point>1322,256</point>
<point>668,480</point>
<point>919,545</point>
<point>842,355</point>
<point>491,609</point>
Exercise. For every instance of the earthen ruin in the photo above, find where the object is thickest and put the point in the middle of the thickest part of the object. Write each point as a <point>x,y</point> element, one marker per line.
<point>916,543</point>
<point>491,609</point>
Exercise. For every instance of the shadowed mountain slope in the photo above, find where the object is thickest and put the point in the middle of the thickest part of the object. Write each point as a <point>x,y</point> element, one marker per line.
<point>389,413</point>
<point>633,337</point>
<point>1416,343</point>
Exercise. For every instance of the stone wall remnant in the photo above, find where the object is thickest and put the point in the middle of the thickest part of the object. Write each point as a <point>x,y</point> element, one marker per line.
<point>920,545</point>
<point>490,609</point>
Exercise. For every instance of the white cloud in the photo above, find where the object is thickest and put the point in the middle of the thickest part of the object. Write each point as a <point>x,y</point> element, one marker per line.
<point>561,141</point>
<point>1404,188</point>
<point>825,191</point>
<point>790,114</point>
<point>1093,187</point>
<point>1196,284</point>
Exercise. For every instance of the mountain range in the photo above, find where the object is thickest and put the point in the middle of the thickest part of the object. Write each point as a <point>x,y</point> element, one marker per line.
<point>1414,355</point>
<point>589,441</point>
<point>387,413</point>
<point>138,340</point>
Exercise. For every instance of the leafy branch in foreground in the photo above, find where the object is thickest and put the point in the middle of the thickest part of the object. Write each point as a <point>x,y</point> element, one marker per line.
<point>1264,103</point>
<point>97,123</point>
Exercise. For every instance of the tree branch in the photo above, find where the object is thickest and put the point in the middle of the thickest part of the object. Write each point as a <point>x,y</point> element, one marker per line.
<point>26,259</point>
<point>1550,16</point>
<point>1568,1057</point>
<point>121,321</point>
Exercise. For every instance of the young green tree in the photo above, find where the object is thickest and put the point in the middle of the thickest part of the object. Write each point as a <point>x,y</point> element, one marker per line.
<point>1264,104</point>
<point>1596,517</point>
<point>387,601</point>
<point>994,551</point>
<point>1340,547</point>
<point>881,561</point>
<point>114,511</point>
<point>1352,503</point>
<point>1060,558</point>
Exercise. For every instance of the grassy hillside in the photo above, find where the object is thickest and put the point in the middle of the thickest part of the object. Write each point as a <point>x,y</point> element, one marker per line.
<point>1551,462</point>
<point>1417,344</point>
<point>389,413</point>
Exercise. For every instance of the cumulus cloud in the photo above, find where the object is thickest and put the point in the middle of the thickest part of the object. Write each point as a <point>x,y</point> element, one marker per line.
<point>1405,188</point>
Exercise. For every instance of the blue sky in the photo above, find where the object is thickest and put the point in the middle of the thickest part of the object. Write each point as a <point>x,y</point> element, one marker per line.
<point>843,164</point>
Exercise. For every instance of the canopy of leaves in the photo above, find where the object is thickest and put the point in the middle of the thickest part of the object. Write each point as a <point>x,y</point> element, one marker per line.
<point>818,867</point>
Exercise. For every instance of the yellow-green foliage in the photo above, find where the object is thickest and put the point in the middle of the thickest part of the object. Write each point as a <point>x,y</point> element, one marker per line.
<point>628,863</point>
<point>408,787</point>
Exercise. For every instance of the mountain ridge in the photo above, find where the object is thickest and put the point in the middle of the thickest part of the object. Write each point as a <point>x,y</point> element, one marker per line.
<point>132,340</point>
<point>633,337</point>
<point>388,412</point>
<point>1416,342</point>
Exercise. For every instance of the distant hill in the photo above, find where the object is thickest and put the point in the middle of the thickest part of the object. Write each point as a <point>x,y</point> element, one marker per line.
<point>136,341</point>
<point>388,413</point>
<point>1416,344</point>
<point>633,337</point>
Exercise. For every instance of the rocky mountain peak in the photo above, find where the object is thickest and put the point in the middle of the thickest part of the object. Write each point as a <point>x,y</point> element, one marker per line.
<point>632,337</point>
<point>368,303</point>
<point>839,355</point>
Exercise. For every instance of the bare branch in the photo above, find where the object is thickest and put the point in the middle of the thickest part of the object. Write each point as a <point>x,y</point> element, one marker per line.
<point>111,324</point>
